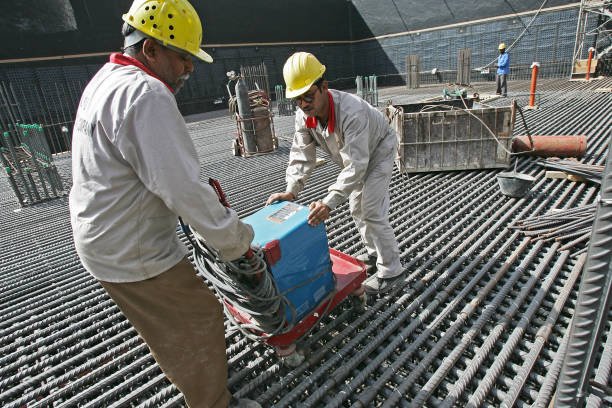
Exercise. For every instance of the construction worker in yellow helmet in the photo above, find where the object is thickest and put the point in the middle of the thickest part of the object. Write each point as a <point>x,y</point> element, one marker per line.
<point>358,138</point>
<point>503,70</point>
<point>135,170</point>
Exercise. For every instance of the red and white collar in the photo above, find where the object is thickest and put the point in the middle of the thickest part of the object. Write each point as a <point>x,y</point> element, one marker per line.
<point>311,121</point>
<point>122,59</point>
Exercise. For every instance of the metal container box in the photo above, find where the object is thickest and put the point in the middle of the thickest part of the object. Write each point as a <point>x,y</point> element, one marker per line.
<point>444,138</point>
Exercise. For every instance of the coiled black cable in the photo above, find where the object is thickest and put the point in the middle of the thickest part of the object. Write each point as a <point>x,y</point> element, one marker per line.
<point>247,286</point>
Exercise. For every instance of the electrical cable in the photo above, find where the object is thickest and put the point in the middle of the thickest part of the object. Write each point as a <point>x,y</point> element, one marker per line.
<point>246,286</point>
<point>252,301</point>
<point>257,98</point>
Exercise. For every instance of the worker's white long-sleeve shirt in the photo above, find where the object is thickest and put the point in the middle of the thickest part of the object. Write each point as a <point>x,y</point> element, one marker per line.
<point>359,129</point>
<point>135,169</point>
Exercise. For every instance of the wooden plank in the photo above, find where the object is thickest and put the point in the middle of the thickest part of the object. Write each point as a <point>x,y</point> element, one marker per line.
<point>578,179</point>
<point>555,174</point>
<point>580,66</point>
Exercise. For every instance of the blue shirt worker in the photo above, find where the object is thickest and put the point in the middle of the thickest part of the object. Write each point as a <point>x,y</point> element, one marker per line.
<point>358,138</point>
<point>503,69</point>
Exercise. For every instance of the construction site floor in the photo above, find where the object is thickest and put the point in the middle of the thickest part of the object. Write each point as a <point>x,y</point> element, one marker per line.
<point>478,320</point>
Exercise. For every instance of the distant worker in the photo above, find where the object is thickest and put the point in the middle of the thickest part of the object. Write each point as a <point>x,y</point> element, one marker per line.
<point>357,138</point>
<point>135,169</point>
<point>503,69</point>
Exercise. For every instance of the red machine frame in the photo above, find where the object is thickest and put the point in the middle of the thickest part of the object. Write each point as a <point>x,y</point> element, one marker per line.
<point>349,274</point>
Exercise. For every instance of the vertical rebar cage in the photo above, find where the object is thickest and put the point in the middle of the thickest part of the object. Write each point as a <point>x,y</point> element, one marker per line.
<point>464,66</point>
<point>413,67</point>
<point>444,138</point>
<point>367,88</point>
<point>284,105</point>
<point>28,163</point>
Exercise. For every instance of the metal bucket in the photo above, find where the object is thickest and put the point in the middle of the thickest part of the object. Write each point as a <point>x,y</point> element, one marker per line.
<point>514,184</point>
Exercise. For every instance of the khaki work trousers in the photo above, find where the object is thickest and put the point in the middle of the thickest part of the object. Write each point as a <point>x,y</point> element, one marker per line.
<point>182,323</point>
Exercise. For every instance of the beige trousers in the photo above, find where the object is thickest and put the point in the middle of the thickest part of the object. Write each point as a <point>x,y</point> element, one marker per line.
<point>369,207</point>
<point>182,323</point>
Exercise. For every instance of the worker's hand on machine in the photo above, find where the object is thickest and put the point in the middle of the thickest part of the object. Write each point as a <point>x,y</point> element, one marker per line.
<point>318,212</point>
<point>286,196</point>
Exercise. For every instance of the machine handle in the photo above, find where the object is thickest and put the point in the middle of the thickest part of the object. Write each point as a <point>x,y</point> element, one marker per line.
<point>217,187</point>
<point>223,200</point>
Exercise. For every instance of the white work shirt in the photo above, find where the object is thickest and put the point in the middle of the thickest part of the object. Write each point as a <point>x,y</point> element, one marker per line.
<point>135,169</point>
<point>359,130</point>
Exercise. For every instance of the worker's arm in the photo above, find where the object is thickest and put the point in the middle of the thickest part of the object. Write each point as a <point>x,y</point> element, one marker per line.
<point>155,141</point>
<point>355,158</point>
<point>302,157</point>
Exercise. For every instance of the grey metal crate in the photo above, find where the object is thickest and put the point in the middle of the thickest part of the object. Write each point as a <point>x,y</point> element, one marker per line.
<point>452,139</point>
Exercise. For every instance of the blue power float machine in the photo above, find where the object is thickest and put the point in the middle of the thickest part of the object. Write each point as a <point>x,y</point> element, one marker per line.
<point>286,283</point>
<point>297,255</point>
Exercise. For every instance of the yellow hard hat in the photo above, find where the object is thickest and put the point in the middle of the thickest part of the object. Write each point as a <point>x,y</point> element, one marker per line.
<point>301,70</point>
<point>502,46</point>
<point>174,23</point>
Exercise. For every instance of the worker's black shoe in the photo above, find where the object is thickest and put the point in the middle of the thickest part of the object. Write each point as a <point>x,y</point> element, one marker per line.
<point>243,403</point>
<point>369,261</point>
<point>376,285</point>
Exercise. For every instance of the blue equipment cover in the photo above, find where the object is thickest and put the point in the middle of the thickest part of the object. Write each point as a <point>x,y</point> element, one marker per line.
<point>303,273</point>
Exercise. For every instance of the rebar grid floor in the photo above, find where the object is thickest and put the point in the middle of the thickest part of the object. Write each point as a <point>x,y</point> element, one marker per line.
<point>478,321</point>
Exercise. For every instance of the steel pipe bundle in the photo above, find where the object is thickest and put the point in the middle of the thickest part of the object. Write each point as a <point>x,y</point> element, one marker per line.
<point>589,172</point>
<point>572,226</point>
